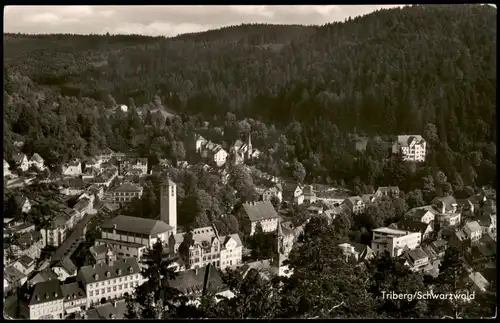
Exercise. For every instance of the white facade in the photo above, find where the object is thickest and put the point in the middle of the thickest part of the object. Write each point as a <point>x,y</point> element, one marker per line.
<point>413,148</point>
<point>268,225</point>
<point>54,236</point>
<point>112,288</point>
<point>72,169</point>
<point>168,204</point>
<point>220,157</point>
<point>48,310</point>
<point>230,254</point>
<point>394,241</point>
<point>6,170</point>
<point>22,162</point>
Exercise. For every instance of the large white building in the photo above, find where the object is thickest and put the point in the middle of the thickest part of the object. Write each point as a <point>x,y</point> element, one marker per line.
<point>207,247</point>
<point>412,147</point>
<point>262,213</point>
<point>394,241</point>
<point>46,301</point>
<point>130,236</point>
<point>110,280</point>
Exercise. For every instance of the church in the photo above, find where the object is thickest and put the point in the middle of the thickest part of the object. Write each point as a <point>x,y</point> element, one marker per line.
<point>130,236</point>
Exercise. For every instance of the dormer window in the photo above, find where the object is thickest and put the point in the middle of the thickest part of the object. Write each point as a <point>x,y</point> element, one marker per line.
<point>96,276</point>
<point>108,274</point>
<point>46,296</point>
<point>119,271</point>
<point>130,270</point>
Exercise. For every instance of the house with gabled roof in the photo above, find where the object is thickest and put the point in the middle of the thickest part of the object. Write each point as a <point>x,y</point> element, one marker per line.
<point>46,301</point>
<point>415,226</point>
<point>391,191</point>
<point>126,192</point>
<point>111,279</point>
<point>416,259</point>
<point>412,147</point>
<point>37,162</point>
<point>355,204</point>
<point>21,161</point>
<point>357,251</point>
<point>72,168</point>
<point>262,213</point>
<point>74,297</point>
<point>25,264</point>
<point>13,278</point>
<point>64,268</point>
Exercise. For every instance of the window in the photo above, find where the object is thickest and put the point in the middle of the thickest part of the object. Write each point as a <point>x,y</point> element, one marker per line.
<point>120,279</point>
<point>91,293</point>
<point>96,292</point>
<point>102,291</point>
<point>109,289</point>
<point>114,288</point>
<point>120,287</point>
<point>126,285</point>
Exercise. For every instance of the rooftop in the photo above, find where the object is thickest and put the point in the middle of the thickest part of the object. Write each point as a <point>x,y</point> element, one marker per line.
<point>137,225</point>
<point>191,281</point>
<point>72,291</point>
<point>473,226</point>
<point>12,274</point>
<point>417,254</point>
<point>257,211</point>
<point>101,272</point>
<point>128,187</point>
<point>390,231</point>
<point>47,291</point>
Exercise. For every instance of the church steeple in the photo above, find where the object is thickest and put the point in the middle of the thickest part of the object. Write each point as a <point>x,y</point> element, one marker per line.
<point>250,149</point>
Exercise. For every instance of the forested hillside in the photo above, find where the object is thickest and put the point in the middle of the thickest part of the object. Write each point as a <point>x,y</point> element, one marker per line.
<point>427,70</point>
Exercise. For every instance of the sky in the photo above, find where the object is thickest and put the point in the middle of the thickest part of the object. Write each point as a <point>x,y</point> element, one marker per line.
<point>167,20</point>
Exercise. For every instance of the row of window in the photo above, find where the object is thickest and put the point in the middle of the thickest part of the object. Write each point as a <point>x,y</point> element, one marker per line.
<point>126,193</point>
<point>102,291</point>
<point>114,281</point>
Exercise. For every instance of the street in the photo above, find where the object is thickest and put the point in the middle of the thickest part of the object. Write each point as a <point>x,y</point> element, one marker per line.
<point>73,241</point>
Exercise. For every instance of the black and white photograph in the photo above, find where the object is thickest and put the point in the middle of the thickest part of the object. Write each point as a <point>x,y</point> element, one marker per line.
<point>250,162</point>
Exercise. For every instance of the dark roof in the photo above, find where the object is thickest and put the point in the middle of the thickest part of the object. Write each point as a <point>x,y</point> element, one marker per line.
<point>18,158</point>
<point>47,291</point>
<point>412,225</point>
<point>28,238</point>
<point>448,201</point>
<point>128,187</point>
<point>191,281</point>
<point>419,213</point>
<point>67,264</point>
<point>99,252</point>
<point>99,272</point>
<point>36,157</point>
<point>110,311</point>
<point>12,274</point>
<point>388,189</point>
<point>257,211</point>
<point>417,254</point>
<point>26,261</point>
<point>72,291</point>
<point>137,225</point>
<point>43,276</point>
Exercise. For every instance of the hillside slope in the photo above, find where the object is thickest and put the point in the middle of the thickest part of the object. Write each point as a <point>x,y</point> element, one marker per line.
<point>392,71</point>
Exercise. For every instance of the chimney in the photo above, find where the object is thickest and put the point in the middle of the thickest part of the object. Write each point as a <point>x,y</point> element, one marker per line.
<point>443,207</point>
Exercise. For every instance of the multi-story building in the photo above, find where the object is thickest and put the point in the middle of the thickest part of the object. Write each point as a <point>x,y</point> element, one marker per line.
<point>55,233</point>
<point>276,191</point>
<point>391,191</point>
<point>130,236</point>
<point>355,204</point>
<point>394,241</point>
<point>356,251</point>
<point>21,161</point>
<point>207,247</point>
<point>75,299</point>
<point>29,244</point>
<point>109,280</point>
<point>424,214</point>
<point>25,264</point>
<point>105,155</point>
<point>448,213</point>
<point>473,231</point>
<point>262,213</point>
<point>416,259</point>
<point>37,162</point>
<point>412,147</point>
<point>46,301</point>
<point>73,168</point>
<point>126,193</point>
<point>138,164</point>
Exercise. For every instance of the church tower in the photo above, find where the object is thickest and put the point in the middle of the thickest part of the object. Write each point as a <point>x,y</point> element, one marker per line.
<point>168,203</point>
<point>250,149</point>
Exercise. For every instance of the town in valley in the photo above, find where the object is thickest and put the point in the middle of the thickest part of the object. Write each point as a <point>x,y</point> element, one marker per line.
<point>129,204</point>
